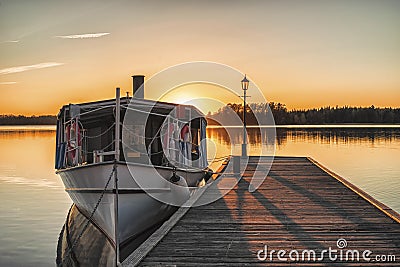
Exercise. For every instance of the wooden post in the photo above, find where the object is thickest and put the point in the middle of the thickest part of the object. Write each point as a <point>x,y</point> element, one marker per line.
<point>236,164</point>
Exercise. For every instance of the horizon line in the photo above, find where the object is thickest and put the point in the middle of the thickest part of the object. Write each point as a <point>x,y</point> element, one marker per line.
<point>289,110</point>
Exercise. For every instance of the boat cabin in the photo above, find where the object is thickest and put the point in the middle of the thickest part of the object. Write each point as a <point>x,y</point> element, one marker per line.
<point>152,132</point>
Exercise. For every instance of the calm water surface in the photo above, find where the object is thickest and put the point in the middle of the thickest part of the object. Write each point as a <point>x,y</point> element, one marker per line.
<point>34,204</point>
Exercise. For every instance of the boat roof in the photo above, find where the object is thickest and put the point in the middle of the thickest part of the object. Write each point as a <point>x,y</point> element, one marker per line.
<point>137,103</point>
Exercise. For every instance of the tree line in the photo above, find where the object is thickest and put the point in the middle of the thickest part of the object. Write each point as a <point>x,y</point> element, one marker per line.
<point>27,120</point>
<point>227,115</point>
<point>325,115</point>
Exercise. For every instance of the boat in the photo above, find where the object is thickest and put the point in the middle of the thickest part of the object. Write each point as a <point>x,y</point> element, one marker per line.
<point>128,163</point>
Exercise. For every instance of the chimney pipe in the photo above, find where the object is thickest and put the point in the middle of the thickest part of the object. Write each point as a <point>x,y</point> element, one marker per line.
<point>138,86</point>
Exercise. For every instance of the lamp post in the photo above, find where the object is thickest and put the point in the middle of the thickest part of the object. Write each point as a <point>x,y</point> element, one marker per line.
<point>245,87</point>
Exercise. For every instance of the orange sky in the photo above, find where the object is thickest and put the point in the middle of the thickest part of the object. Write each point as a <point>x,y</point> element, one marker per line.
<point>301,53</point>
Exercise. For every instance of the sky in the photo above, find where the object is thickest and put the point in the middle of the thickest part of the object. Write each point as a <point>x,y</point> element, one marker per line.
<point>303,53</point>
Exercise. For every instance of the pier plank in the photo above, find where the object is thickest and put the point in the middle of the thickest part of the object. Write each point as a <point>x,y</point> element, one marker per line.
<point>300,205</point>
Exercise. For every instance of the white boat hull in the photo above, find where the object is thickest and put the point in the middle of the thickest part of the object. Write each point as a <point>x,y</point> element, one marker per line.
<point>137,210</point>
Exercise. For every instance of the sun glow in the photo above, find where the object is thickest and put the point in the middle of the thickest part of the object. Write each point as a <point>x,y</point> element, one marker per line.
<point>206,97</point>
<point>177,97</point>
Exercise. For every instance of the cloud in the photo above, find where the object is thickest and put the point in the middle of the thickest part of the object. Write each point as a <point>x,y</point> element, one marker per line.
<point>29,67</point>
<point>6,83</point>
<point>83,36</point>
<point>10,41</point>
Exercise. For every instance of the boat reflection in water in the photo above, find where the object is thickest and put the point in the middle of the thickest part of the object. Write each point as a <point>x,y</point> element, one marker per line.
<point>93,248</point>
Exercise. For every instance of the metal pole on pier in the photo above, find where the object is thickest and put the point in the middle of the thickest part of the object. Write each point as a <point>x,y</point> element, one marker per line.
<point>245,87</point>
<point>117,152</point>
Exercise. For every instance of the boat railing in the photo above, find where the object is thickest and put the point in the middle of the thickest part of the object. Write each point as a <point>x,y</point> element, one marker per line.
<point>175,151</point>
<point>76,147</point>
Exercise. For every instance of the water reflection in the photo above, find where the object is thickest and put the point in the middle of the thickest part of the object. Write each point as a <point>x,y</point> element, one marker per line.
<point>92,248</point>
<point>338,135</point>
<point>263,136</point>
<point>82,243</point>
<point>28,157</point>
<point>33,202</point>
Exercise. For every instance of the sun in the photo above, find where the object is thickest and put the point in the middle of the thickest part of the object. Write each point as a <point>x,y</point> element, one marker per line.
<point>178,97</point>
<point>206,97</point>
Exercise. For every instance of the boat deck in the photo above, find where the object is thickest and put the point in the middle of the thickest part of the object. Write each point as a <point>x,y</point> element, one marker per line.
<point>300,206</point>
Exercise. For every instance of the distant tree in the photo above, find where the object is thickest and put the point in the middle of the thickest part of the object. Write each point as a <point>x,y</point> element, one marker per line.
<point>24,120</point>
<point>325,115</point>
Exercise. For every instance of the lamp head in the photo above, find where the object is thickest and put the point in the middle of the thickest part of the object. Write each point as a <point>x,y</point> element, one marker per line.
<point>245,83</point>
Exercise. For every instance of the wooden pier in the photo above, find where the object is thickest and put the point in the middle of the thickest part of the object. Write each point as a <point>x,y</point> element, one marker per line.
<point>300,206</point>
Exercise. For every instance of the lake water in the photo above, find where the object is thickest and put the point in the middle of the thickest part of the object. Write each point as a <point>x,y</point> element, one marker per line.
<point>34,204</point>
